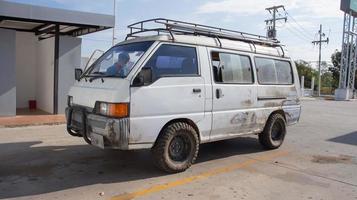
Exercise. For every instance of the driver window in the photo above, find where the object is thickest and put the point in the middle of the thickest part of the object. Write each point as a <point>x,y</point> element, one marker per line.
<point>119,60</point>
<point>108,61</point>
<point>173,61</point>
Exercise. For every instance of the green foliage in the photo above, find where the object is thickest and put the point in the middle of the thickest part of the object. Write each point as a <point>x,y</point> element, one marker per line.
<point>335,69</point>
<point>305,69</point>
<point>327,79</point>
<point>330,75</point>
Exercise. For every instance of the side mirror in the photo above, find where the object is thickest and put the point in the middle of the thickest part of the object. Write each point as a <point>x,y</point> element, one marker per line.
<point>78,73</point>
<point>138,80</point>
<point>143,78</point>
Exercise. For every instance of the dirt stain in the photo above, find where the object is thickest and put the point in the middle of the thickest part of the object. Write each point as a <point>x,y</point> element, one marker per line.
<point>292,177</point>
<point>272,104</point>
<point>278,93</point>
<point>332,159</point>
<point>240,118</point>
<point>247,103</point>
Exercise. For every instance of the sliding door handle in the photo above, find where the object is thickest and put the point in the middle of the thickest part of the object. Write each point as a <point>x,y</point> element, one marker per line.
<point>196,90</point>
<point>219,93</point>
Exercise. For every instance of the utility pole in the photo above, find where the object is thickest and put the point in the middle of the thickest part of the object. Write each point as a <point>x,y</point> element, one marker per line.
<point>319,42</point>
<point>114,12</point>
<point>271,23</point>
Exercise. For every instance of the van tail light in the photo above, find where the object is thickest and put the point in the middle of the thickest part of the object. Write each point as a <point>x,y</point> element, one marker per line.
<point>117,110</point>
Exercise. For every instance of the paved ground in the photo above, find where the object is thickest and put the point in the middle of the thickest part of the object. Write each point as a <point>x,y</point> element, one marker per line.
<point>31,119</point>
<point>317,161</point>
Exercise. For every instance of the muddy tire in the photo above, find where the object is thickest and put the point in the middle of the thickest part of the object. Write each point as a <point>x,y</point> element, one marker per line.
<point>176,148</point>
<point>274,132</point>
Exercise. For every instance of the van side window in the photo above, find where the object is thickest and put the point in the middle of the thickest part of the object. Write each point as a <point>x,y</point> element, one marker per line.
<point>283,69</point>
<point>231,68</point>
<point>274,72</point>
<point>173,60</point>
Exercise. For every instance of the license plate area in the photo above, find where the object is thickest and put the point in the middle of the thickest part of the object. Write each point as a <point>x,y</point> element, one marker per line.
<point>77,116</point>
<point>77,120</point>
<point>97,140</point>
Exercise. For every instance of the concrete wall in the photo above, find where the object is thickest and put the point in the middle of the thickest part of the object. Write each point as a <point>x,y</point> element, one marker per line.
<point>84,61</point>
<point>7,73</point>
<point>26,68</point>
<point>45,70</point>
<point>69,59</point>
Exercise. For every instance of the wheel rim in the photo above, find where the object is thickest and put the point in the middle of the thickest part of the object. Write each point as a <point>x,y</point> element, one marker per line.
<point>277,131</point>
<point>179,148</point>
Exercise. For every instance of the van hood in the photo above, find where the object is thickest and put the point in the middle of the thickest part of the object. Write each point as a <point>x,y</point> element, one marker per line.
<point>113,90</point>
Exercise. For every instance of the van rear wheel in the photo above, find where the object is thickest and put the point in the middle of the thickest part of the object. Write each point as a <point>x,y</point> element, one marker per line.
<point>176,148</point>
<point>274,132</point>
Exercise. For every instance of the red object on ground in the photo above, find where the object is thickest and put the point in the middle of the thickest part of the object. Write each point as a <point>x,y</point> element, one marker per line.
<point>32,105</point>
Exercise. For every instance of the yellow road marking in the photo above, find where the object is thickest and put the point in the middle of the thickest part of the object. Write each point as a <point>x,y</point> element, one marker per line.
<point>213,172</point>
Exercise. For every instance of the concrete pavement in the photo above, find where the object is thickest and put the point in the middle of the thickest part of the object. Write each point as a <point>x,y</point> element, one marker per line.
<point>317,161</point>
<point>31,120</point>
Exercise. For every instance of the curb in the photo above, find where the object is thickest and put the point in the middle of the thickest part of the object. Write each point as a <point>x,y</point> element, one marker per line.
<point>35,124</point>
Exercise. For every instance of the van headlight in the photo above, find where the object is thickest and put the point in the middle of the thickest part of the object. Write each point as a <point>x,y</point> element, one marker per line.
<point>69,101</point>
<point>118,110</point>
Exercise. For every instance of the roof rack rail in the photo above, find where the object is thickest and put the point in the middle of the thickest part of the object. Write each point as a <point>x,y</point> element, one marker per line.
<point>174,27</point>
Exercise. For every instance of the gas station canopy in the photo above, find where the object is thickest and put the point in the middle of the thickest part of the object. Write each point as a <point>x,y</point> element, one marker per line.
<point>43,20</point>
<point>44,23</point>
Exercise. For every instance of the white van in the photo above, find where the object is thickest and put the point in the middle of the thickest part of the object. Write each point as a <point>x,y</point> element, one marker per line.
<point>182,86</point>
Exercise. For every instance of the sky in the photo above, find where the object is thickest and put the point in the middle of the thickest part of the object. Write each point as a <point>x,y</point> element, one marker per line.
<point>304,19</point>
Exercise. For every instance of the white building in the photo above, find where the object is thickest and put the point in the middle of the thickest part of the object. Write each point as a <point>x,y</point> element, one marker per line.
<point>39,49</point>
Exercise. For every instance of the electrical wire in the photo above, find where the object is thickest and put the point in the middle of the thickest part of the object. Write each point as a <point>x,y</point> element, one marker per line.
<point>300,32</point>
<point>298,35</point>
<point>295,21</point>
<point>297,31</point>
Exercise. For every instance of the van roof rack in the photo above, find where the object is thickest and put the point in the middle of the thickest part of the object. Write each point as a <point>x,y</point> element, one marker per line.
<point>174,27</point>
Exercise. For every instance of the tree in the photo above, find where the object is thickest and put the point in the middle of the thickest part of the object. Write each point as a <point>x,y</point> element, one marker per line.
<point>335,70</point>
<point>327,82</point>
<point>305,69</point>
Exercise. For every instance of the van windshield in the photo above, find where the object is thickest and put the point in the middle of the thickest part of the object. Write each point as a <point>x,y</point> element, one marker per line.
<point>118,61</point>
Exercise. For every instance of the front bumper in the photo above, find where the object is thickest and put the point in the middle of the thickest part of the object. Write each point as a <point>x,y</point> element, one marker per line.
<point>114,132</point>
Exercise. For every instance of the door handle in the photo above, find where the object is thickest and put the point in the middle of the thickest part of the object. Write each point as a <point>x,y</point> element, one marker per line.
<point>196,90</point>
<point>219,93</point>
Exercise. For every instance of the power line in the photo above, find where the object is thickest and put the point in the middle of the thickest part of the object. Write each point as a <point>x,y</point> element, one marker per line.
<point>302,27</point>
<point>114,12</point>
<point>271,23</point>
<point>319,42</point>
<point>299,29</point>
<point>277,17</point>
<point>300,32</point>
<point>299,36</point>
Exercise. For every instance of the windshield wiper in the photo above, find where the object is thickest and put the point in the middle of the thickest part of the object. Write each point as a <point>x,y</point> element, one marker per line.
<point>96,77</point>
<point>92,78</point>
<point>100,73</point>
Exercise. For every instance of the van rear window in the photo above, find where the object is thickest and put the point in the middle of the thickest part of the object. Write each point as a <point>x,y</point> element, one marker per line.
<point>274,72</point>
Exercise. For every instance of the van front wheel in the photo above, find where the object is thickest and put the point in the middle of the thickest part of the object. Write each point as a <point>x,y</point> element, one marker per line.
<point>176,148</point>
<point>274,132</point>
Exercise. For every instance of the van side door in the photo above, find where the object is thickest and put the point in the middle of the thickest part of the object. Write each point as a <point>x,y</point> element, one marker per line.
<point>234,94</point>
<point>173,88</point>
